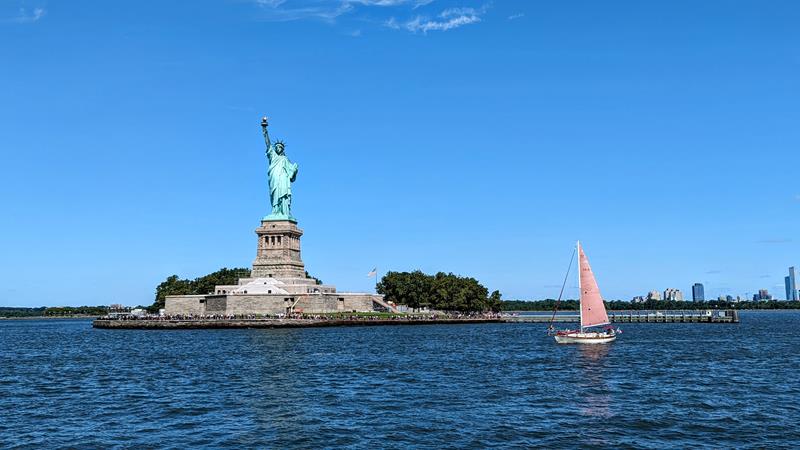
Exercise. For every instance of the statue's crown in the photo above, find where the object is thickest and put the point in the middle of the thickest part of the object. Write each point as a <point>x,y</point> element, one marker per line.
<point>281,143</point>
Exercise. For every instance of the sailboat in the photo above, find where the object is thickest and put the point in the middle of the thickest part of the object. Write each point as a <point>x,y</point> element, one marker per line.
<point>593,312</point>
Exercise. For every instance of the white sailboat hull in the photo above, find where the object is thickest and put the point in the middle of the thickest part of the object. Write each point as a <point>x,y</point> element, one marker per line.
<point>577,337</point>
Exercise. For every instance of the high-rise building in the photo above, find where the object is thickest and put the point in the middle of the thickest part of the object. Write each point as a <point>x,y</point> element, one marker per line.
<point>654,295</point>
<point>762,295</point>
<point>792,288</point>
<point>788,283</point>
<point>672,294</point>
<point>698,293</point>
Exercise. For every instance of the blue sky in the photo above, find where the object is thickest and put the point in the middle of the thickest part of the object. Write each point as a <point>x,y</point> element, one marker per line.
<point>481,138</point>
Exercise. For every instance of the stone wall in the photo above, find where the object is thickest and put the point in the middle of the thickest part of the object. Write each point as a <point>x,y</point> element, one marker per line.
<point>268,304</point>
<point>185,304</point>
<point>314,304</point>
<point>257,304</point>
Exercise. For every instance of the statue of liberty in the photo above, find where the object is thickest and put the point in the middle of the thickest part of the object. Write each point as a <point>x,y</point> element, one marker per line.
<point>282,173</point>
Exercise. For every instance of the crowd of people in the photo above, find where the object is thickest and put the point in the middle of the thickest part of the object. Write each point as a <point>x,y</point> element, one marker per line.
<point>311,317</point>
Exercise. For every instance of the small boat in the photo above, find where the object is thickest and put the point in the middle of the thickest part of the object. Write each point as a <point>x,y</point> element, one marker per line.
<point>593,311</point>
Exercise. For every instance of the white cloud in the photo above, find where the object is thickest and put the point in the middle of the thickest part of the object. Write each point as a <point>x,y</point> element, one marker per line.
<point>282,11</point>
<point>387,2</point>
<point>327,10</point>
<point>26,16</point>
<point>422,24</point>
<point>448,19</point>
<point>369,11</point>
<point>270,3</point>
<point>516,16</point>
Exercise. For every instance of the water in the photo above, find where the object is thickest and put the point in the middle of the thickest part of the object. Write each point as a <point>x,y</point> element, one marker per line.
<point>63,383</point>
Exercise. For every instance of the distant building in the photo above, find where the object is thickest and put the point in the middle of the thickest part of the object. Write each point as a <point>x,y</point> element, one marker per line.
<point>729,298</point>
<point>674,295</point>
<point>722,298</point>
<point>698,293</point>
<point>654,295</point>
<point>791,285</point>
<point>638,299</point>
<point>763,295</point>
<point>788,283</point>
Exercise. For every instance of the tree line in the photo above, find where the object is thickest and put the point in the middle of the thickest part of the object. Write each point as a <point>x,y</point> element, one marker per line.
<point>443,291</point>
<point>57,311</point>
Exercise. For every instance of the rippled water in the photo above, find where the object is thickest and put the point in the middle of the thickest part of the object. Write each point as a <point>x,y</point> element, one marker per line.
<point>63,383</point>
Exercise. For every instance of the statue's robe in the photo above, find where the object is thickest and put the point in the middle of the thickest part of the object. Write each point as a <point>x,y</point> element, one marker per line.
<point>281,174</point>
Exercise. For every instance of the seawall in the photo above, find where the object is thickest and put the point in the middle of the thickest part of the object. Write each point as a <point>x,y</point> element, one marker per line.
<point>270,323</point>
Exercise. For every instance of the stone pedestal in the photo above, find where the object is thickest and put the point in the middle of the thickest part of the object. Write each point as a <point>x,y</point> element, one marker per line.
<point>278,254</point>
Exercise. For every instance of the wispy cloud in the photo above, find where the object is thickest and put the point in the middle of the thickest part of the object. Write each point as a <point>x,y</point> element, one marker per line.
<point>414,16</point>
<point>29,16</point>
<point>282,11</point>
<point>774,241</point>
<point>516,16</point>
<point>713,272</point>
<point>326,10</point>
<point>448,19</point>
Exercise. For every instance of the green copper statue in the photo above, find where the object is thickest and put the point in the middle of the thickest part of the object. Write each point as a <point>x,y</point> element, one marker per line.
<point>282,173</point>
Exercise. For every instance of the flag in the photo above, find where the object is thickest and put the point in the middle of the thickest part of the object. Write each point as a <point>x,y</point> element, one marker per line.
<point>373,273</point>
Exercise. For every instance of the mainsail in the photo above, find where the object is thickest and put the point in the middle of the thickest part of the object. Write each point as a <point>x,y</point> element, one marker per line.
<point>593,312</point>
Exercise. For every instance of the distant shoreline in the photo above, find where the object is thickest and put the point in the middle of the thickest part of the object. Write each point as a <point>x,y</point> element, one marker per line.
<point>51,317</point>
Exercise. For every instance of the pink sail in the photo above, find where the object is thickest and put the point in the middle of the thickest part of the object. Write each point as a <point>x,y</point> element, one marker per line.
<point>593,312</point>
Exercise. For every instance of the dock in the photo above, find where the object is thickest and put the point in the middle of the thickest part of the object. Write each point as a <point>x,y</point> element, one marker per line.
<point>189,324</point>
<point>705,316</point>
<point>687,316</point>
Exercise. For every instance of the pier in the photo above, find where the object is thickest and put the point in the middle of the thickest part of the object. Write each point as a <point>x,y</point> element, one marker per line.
<point>681,316</point>
<point>705,316</point>
<point>188,324</point>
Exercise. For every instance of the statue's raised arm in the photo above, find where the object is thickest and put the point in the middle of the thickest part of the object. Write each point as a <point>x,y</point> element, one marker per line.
<point>264,125</point>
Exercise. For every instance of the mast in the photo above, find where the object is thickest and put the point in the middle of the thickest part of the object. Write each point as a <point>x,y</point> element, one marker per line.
<point>580,292</point>
<point>561,293</point>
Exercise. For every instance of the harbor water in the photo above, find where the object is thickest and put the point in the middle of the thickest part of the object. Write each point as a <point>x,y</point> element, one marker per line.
<point>65,384</point>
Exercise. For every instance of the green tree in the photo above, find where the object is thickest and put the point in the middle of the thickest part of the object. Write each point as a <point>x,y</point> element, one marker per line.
<point>443,291</point>
<point>201,285</point>
<point>494,303</point>
<point>316,280</point>
<point>408,288</point>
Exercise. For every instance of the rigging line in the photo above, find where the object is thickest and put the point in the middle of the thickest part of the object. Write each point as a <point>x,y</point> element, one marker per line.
<point>555,309</point>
